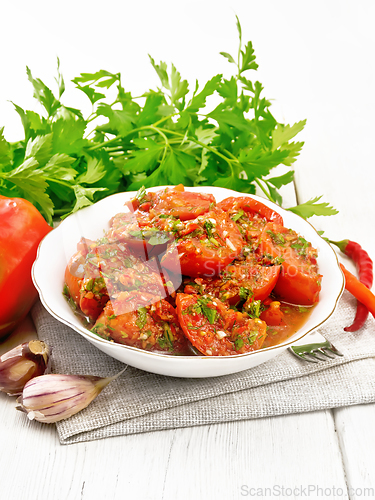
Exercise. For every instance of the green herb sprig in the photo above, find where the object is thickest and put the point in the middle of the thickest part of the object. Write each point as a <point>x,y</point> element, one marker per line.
<point>166,136</point>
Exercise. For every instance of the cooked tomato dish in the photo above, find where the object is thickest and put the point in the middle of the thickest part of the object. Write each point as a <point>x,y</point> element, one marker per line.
<point>178,273</point>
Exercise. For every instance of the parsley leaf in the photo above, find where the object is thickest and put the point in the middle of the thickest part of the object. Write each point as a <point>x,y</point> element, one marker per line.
<point>159,239</point>
<point>283,133</point>
<point>208,312</point>
<point>238,215</point>
<point>43,94</point>
<point>282,180</point>
<point>312,207</point>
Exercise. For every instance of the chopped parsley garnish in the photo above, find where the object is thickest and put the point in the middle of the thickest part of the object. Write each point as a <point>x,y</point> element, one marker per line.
<point>252,337</point>
<point>254,309</point>
<point>127,261</point>
<point>208,312</point>
<point>102,241</point>
<point>96,330</point>
<point>141,195</point>
<point>142,318</point>
<point>165,341</point>
<point>238,343</point>
<point>66,293</point>
<point>300,245</point>
<point>245,293</point>
<point>214,242</point>
<point>108,254</point>
<point>136,234</point>
<point>137,284</point>
<point>159,238</point>
<point>303,309</point>
<point>95,285</point>
<point>277,238</point>
<point>237,216</point>
<point>209,227</point>
<point>168,334</point>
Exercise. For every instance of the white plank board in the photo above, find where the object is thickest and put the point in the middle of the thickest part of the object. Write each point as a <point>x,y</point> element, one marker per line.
<point>355,430</point>
<point>272,455</point>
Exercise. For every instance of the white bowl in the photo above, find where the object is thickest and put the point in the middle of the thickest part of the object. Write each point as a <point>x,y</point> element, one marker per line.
<point>58,246</point>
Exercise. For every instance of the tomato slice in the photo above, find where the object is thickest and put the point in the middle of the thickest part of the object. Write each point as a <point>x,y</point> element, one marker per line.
<point>250,205</point>
<point>111,269</point>
<point>216,330</point>
<point>144,321</point>
<point>299,281</point>
<point>242,282</point>
<point>88,292</point>
<point>177,202</point>
<point>214,243</point>
<point>144,237</point>
<point>185,205</point>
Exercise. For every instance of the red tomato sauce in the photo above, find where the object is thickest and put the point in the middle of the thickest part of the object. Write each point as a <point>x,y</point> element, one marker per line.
<point>179,274</point>
<point>285,323</point>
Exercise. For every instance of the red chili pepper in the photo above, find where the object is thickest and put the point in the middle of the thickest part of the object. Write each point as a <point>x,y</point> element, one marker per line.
<point>359,290</point>
<point>21,229</point>
<point>364,267</point>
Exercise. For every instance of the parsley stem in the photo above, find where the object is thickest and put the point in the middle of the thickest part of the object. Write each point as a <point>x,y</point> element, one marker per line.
<point>263,189</point>
<point>163,119</point>
<point>158,131</point>
<point>105,143</point>
<point>203,145</point>
<point>58,181</point>
<point>61,211</point>
<point>154,127</point>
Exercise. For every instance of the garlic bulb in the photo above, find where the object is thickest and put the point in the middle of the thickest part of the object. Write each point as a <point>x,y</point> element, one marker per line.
<point>53,397</point>
<point>21,364</point>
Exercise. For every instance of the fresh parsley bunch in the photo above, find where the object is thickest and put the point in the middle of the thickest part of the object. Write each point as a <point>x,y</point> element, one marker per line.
<point>166,136</point>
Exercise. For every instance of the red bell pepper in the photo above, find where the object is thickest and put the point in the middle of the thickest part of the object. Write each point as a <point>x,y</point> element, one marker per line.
<point>22,228</point>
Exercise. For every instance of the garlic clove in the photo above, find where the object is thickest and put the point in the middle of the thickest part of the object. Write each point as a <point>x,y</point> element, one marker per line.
<point>21,364</point>
<point>54,397</point>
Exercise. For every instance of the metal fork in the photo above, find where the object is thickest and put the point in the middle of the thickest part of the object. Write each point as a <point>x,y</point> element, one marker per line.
<point>319,349</point>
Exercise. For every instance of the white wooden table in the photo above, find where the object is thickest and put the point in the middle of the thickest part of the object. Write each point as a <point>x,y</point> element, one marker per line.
<point>317,61</point>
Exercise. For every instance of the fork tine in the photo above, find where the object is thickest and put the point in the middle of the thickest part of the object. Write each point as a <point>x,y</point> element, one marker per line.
<point>326,352</point>
<point>333,349</point>
<point>312,357</point>
<point>302,354</point>
<point>323,353</point>
<point>316,352</point>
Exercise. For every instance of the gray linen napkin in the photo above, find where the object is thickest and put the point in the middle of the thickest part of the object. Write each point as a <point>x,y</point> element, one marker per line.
<point>141,402</point>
